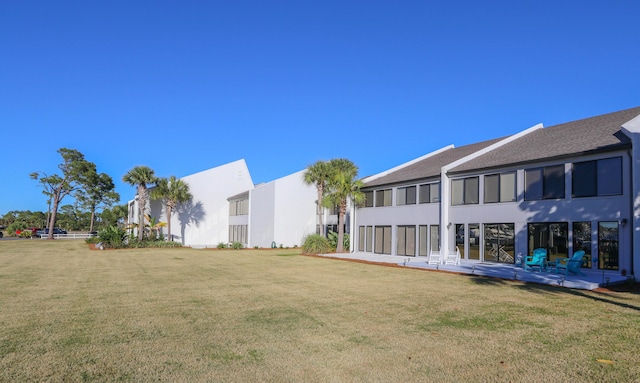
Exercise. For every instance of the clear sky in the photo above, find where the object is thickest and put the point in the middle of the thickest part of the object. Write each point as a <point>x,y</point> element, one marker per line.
<point>184,86</point>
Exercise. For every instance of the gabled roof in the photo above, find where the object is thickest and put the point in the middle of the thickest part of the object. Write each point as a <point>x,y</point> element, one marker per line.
<point>590,135</point>
<point>429,167</point>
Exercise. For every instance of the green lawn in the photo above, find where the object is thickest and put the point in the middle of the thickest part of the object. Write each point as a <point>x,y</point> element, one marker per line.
<point>70,314</point>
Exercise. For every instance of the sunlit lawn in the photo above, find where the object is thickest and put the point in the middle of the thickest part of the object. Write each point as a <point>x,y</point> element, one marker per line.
<point>71,314</point>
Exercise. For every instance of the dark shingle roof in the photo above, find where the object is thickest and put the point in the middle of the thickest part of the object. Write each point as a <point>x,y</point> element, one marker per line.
<point>589,135</point>
<point>430,166</point>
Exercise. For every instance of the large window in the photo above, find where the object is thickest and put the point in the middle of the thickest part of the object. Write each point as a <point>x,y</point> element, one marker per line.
<point>500,187</point>
<point>383,197</point>
<point>423,240</point>
<point>238,233</point>
<point>460,239</point>
<point>474,241</point>
<point>369,244</point>
<point>361,238</point>
<point>239,207</point>
<point>544,183</point>
<point>551,236</point>
<point>383,240</point>
<point>429,193</point>
<point>368,199</point>
<point>406,240</point>
<point>608,249</point>
<point>597,178</point>
<point>435,237</point>
<point>464,191</point>
<point>499,242</point>
<point>406,196</point>
<point>582,241</point>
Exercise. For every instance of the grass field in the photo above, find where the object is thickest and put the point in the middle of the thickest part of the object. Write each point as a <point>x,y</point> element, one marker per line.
<point>70,314</point>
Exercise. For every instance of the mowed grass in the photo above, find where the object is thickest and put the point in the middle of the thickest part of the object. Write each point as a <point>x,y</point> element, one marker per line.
<point>70,314</point>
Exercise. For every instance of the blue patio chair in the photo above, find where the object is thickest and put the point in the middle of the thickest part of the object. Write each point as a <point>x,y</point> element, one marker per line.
<point>570,265</point>
<point>536,261</point>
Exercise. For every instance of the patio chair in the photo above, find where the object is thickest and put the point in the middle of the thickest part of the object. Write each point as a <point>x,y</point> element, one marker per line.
<point>536,261</point>
<point>434,257</point>
<point>570,265</point>
<point>453,258</point>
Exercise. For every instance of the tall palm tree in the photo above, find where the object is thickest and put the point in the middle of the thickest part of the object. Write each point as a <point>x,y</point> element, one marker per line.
<point>318,174</point>
<point>171,191</point>
<point>342,186</point>
<point>141,177</point>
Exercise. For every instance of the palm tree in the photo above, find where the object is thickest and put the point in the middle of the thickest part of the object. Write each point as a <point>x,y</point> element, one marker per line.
<point>318,174</point>
<point>343,185</point>
<point>172,191</point>
<point>141,177</point>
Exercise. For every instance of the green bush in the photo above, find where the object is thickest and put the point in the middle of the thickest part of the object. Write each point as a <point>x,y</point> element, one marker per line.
<point>237,245</point>
<point>316,244</point>
<point>222,245</point>
<point>113,237</point>
<point>92,240</point>
<point>333,240</point>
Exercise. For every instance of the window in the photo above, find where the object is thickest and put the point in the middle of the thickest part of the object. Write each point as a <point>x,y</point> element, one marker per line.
<point>551,236</point>
<point>435,237</point>
<point>239,207</point>
<point>499,242</point>
<point>429,193</point>
<point>406,196</point>
<point>582,241</point>
<point>500,188</point>
<point>597,178</point>
<point>368,199</point>
<point>474,241</point>
<point>406,240</point>
<point>383,197</point>
<point>361,238</point>
<point>544,183</point>
<point>608,245</point>
<point>464,191</point>
<point>460,239</point>
<point>422,240</point>
<point>383,240</point>
<point>238,233</point>
<point>369,239</point>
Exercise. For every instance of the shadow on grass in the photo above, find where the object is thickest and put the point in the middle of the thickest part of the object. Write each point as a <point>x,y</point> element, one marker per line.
<point>487,281</point>
<point>593,295</point>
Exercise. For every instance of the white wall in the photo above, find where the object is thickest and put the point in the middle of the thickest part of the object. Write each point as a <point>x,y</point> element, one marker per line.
<point>204,221</point>
<point>282,211</point>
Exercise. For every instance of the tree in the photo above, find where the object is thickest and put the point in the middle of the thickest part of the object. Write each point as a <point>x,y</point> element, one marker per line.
<point>318,174</point>
<point>74,170</point>
<point>141,177</point>
<point>171,191</point>
<point>114,216</point>
<point>343,185</point>
<point>99,192</point>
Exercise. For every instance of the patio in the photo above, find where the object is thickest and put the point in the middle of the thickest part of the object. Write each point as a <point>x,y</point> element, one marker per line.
<point>592,280</point>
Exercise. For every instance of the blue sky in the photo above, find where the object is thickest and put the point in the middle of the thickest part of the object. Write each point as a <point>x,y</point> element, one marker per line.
<point>184,86</point>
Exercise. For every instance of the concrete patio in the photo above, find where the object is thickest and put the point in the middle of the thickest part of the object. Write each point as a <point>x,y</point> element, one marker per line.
<point>592,280</point>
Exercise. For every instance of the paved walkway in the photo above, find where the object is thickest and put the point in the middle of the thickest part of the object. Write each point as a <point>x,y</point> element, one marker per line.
<point>592,279</point>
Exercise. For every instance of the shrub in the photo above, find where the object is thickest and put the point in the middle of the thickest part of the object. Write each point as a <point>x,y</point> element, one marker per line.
<point>222,245</point>
<point>237,245</point>
<point>315,244</point>
<point>333,240</point>
<point>113,237</point>
<point>92,240</point>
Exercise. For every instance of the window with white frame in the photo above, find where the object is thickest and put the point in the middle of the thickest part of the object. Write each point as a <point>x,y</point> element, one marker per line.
<point>429,193</point>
